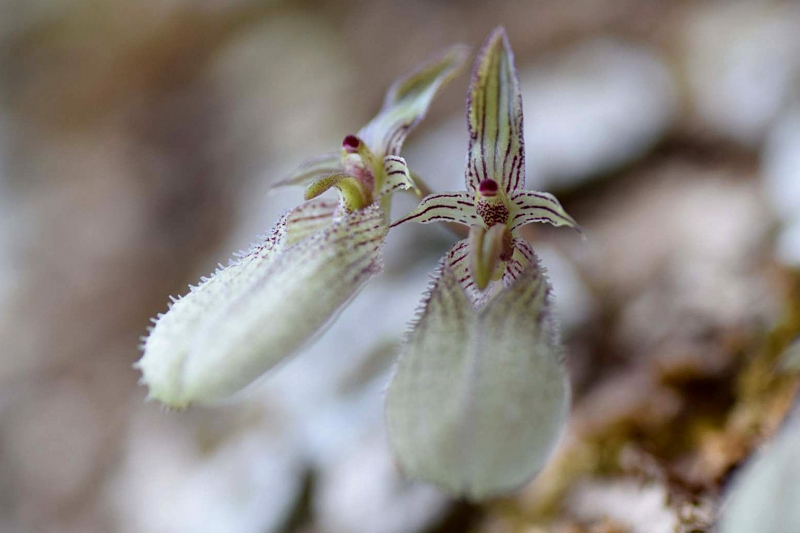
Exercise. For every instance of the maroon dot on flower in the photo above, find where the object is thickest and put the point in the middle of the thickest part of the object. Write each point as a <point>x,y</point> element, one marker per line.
<point>351,144</point>
<point>487,187</point>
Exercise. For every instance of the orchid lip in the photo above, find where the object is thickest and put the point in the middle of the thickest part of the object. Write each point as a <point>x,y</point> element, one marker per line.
<point>488,187</point>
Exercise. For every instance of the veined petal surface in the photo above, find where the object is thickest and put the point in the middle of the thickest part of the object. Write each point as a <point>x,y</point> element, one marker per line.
<point>457,259</point>
<point>532,206</point>
<point>398,177</point>
<point>250,319</point>
<point>522,257</point>
<point>479,397</point>
<point>494,118</point>
<point>311,168</point>
<point>450,206</point>
<point>408,99</point>
<point>309,218</point>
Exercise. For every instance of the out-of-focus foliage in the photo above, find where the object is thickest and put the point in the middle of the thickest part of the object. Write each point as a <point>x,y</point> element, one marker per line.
<point>137,144</point>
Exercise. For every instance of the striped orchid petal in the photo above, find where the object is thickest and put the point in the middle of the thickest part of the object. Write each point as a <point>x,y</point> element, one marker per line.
<point>311,169</point>
<point>522,257</point>
<point>494,118</point>
<point>479,396</point>
<point>456,207</point>
<point>397,176</point>
<point>309,218</point>
<point>457,259</point>
<point>408,100</point>
<point>255,313</point>
<point>531,206</point>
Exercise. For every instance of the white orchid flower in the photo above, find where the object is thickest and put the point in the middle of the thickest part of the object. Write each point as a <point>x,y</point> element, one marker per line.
<point>480,394</point>
<point>267,304</point>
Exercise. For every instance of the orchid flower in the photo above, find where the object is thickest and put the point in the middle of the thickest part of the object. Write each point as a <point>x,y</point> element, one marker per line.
<point>479,396</point>
<point>275,298</point>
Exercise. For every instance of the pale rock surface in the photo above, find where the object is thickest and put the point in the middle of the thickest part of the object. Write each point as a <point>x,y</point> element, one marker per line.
<point>764,494</point>
<point>741,65</point>
<point>641,508</point>
<point>781,179</point>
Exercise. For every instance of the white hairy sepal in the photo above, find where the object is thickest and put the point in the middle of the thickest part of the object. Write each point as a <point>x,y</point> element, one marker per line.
<point>480,396</point>
<point>263,308</point>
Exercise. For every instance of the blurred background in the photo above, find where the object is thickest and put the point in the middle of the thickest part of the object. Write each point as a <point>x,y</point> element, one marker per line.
<point>138,141</point>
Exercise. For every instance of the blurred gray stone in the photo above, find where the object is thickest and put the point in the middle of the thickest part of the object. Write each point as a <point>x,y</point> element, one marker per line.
<point>765,494</point>
<point>639,508</point>
<point>781,178</point>
<point>741,64</point>
<point>574,303</point>
<point>593,108</point>
<point>781,164</point>
<point>680,250</point>
<point>242,478</point>
<point>363,493</point>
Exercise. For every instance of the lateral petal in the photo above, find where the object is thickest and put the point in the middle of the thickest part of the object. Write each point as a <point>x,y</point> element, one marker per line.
<point>247,319</point>
<point>312,168</point>
<point>532,206</point>
<point>494,118</point>
<point>408,99</point>
<point>397,176</point>
<point>479,398</point>
<point>451,206</point>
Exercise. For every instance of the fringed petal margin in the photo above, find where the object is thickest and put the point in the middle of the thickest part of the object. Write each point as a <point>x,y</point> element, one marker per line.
<point>168,345</point>
<point>531,206</point>
<point>252,315</point>
<point>456,207</point>
<point>311,169</point>
<point>408,99</point>
<point>479,397</point>
<point>397,176</point>
<point>494,118</point>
